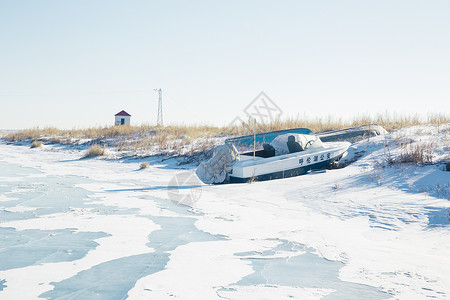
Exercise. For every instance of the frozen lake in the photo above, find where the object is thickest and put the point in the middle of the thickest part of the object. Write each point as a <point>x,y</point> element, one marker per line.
<point>98,229</point>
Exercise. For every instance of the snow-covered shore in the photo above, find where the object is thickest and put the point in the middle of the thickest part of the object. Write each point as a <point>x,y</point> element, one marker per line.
<point>102,228</point>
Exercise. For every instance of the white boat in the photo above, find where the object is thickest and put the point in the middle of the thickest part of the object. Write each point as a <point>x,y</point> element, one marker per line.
<point>287,154</point>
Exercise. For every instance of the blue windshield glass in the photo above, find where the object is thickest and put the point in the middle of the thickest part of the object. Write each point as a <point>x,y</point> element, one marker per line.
<point>246,141</point>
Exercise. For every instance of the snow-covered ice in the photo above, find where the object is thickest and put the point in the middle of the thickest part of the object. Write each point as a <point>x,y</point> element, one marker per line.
<point>103,229</point>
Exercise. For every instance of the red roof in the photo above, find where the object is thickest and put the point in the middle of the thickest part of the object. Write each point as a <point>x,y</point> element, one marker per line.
<point>123,113</point>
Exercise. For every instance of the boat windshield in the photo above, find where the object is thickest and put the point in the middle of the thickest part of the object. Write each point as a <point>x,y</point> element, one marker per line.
<point>245,143</point>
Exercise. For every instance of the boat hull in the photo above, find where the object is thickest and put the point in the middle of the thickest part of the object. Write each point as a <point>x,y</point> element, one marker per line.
<point>294,164</point>
<point>285,173</point>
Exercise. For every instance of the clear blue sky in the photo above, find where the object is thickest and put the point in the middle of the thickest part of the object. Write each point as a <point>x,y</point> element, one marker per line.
<point>77,63</point>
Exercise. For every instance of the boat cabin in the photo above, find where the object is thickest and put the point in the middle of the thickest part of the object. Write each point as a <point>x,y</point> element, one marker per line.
<point>285,144</point>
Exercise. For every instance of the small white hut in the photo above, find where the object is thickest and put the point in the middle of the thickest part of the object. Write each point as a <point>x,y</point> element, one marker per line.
<point>122,118</point>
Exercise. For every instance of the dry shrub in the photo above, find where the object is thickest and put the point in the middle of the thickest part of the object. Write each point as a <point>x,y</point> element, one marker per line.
<point>36,144</point>
<point>161,139</point>
<point>144,165</point>
<point>253,179</point>
<point>95,150</point>
<point>417,154</point>
<point>124,144</point>
<point>409,153</point>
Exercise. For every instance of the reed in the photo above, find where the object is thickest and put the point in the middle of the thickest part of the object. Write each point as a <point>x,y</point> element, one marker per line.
<point>127,137</point>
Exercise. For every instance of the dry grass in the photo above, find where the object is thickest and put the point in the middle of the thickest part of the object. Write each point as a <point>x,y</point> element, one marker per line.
<point>252,179</point>
<point>36,144</point>
<point>161,134</point>
<point>95,150</point>
<point>402,149</point>
<point>417,154</point>
<point>387,121</point>
<point>181,139</point>
<point>144,165</point>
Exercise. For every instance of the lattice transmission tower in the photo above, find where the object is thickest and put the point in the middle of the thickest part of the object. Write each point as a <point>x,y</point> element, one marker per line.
<point>159,121</point>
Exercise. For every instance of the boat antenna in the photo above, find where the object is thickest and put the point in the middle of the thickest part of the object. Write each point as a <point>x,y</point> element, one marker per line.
<point>254,138</point>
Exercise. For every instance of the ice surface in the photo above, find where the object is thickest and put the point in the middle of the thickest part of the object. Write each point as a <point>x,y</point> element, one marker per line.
<point>30,247</point>
<point>100,229</point>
